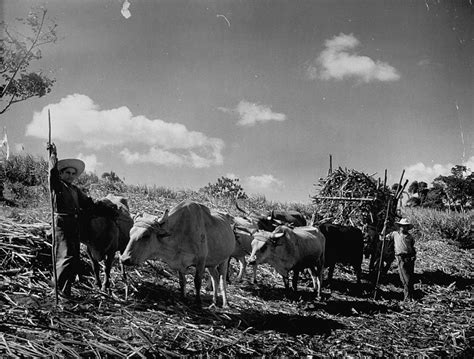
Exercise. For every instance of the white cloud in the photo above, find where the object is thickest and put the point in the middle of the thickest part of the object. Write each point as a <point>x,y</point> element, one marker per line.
<point>263,182</point>
<point>76,118</point>
<point>250,113</point>
<point>171,159</point>
<point>91,162</point>
<point>337,62</point>
<point>421,172</point>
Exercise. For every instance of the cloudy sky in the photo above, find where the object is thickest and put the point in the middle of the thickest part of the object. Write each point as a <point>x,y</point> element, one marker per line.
<point>180,93</point>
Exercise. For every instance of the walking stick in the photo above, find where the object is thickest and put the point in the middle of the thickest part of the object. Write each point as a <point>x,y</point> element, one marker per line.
<point>53,224</point>
<point>384,230</point>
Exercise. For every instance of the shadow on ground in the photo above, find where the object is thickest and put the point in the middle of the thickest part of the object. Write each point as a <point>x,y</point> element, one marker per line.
<point>441,278</point>
<point>291,324</point>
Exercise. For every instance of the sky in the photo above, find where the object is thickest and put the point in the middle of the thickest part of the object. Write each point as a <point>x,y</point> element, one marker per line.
<point>179,93</point>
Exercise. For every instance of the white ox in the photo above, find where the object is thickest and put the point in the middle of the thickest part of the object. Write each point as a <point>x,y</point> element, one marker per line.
<point>288,249</point>
<point>189,235</point>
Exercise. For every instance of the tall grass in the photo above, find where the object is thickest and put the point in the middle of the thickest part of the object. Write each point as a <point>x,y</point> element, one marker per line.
<point>454,227</point>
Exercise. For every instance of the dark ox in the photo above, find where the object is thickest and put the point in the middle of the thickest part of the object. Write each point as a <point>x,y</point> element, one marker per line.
<point>288,249</point>
<point>374,246</point>
<point>190,235</point>
<point>276,218</point>
<point>106,235</point>
<point>344,244</point>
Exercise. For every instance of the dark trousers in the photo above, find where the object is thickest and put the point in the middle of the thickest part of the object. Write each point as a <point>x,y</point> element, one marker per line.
<point>406,269</point>
<point>67,252</point>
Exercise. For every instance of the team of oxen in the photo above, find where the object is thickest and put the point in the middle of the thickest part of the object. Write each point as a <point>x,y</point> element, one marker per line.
<point>192,235</point>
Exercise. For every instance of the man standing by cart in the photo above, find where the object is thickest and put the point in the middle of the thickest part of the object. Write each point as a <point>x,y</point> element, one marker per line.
<point>405,253</point>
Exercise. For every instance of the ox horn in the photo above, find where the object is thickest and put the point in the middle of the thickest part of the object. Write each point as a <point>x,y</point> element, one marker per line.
<point>164,217</point>
<point>137,215</point>
<point>277,235</point>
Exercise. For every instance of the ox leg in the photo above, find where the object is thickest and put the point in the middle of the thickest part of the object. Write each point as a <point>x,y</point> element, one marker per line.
<point>228,272</point>
<point>218,275</point>
<point>316,277</point>
<point>294,282</point>
<point>182,284</point>
<point>215,282</point>
<point>242,267</point>
<point>330,274</point>
<point>358,272</point>
<point>254,275</point>
<point>286,282</point>
<point>124,278</point>
<point>222,283</point>
<point>372,262</point>
<point>95,267</point>
<point>108,267</point>
<point>200,269</point>
<point>319,279</point>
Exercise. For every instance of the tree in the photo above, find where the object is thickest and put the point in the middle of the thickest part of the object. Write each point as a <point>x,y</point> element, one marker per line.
<point>225,188</point>
<point>111,176</point>
<point>435,198</point>
<point>420,189</point>
<point>17,51</point>
<point>458,187</point>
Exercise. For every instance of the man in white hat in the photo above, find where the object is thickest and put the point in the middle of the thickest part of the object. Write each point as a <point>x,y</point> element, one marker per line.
<point>405,253</point>
<point>71,205</point>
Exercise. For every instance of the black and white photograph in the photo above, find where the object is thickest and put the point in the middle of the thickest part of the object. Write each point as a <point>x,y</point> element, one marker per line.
<point>236,178</point>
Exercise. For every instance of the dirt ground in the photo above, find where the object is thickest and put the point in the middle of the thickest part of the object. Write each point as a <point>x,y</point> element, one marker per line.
<point>261,321</point>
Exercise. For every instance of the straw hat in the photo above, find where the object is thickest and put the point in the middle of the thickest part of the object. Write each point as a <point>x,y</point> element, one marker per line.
<point>78,165</point>
<point>404,222</point>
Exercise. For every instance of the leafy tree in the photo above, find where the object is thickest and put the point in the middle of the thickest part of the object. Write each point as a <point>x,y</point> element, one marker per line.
<point>420,189</point>
<point>225,188</point>
<point>17,51</point>
<point>111,176</point>
<point>435,198</point>
<point>458,187</point>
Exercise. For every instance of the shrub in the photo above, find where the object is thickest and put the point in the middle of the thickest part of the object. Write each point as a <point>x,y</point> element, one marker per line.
<point>25,178</point>
<point>26,170</point>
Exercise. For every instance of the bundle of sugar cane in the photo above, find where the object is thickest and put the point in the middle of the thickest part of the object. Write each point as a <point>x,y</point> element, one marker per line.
<point>350,197</point>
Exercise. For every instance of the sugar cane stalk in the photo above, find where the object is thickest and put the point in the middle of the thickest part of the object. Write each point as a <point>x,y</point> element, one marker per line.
<point>53,223</point>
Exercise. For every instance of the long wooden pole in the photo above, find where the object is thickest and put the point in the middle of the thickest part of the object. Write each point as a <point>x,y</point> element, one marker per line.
<point>354,199</point>
<point>384,230</point>
<point>53,222</point>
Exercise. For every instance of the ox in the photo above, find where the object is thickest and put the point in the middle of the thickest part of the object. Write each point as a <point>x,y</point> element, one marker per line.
<point>272,220</point>
<point>289,249</point>
<point>188,235</point>
<point>106,235</point>
<point>344,244</point>
<point>275,218</point>
<point>374,244</point>
<point>243,247</point>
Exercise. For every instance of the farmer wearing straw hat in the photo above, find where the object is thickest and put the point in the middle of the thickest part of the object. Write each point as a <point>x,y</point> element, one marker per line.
<point>405,253</point>
<point>72,210</point>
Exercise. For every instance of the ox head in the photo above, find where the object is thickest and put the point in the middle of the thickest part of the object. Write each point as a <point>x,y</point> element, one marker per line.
<point>268,223</point>
<point>243,238</point>
<point>265,244</point>
<point>145,237</point>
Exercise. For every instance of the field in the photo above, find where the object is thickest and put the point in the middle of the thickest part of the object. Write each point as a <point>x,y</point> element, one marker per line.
<point>261,321</point>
